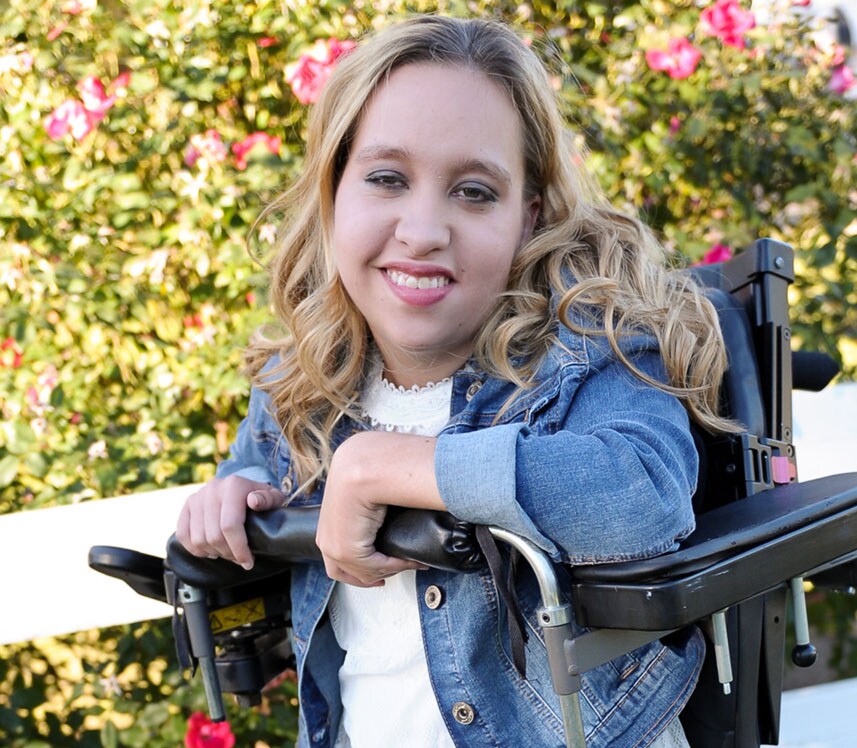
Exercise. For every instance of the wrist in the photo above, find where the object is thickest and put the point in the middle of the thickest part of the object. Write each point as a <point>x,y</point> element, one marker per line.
<point>395,469</point>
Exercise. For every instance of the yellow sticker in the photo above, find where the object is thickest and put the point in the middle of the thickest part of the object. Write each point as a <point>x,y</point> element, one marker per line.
<point>232,616</point>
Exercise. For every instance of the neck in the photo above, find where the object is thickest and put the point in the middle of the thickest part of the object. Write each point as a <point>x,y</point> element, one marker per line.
<point>411,371</point>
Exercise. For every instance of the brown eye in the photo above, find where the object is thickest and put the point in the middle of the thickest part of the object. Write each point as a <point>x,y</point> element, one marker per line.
<point>475,193</point>
<point>386,180</point>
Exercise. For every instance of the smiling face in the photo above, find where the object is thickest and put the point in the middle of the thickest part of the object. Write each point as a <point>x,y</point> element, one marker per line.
<point>429,213</point>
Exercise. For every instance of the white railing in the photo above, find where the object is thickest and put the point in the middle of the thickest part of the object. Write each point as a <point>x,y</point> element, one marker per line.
<point>46,585</point>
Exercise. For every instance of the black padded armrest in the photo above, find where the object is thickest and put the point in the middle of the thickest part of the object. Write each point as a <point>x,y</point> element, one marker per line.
<point>281,537</point>
<point>142,572</point>
<point>737,551</point>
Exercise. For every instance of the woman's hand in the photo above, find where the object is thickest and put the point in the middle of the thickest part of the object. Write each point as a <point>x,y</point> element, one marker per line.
<point>369,472</point>
<point>211,522</point>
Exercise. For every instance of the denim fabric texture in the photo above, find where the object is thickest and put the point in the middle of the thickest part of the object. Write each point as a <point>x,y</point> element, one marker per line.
<point>592,465</point>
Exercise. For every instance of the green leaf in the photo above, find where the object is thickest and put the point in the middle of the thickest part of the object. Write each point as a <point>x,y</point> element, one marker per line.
<point>19,437</point>
<point>36,464</point>
<point>109,735</point>
<point>801,193</point>
<point>8,469</point>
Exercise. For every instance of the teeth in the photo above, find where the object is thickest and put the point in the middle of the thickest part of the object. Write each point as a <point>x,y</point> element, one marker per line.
<point>412,281</point>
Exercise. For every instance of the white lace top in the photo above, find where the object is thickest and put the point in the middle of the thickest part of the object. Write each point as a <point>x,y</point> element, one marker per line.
<point>384,681</point>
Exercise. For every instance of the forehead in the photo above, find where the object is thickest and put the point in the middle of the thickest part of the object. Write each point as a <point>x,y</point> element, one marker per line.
<point>436,105</point>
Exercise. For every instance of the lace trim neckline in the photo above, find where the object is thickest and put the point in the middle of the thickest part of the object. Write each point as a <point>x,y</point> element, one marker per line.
<point>418,409</point>
<point>414,389</point>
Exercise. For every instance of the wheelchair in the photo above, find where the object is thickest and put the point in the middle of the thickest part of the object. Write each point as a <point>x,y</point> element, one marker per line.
<point>760,533</point>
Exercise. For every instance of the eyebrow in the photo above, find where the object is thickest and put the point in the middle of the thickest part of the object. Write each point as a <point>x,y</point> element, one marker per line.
<point>378,152</point>
<point>372,152</point>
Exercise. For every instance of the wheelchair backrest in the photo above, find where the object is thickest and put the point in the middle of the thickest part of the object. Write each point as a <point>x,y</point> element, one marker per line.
<point>750,293</point>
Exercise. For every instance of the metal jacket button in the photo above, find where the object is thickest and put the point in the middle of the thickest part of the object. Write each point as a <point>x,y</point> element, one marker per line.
<point>462,712</point>
<point>472,390</point>
<point>286,485</point>
<point>433,596</point>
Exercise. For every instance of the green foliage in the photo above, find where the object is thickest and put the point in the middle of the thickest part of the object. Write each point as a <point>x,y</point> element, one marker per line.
<point>127,287</point>
<point>118,687</point>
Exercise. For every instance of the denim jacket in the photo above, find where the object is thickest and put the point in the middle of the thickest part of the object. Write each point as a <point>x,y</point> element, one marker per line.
<point>592,465</point>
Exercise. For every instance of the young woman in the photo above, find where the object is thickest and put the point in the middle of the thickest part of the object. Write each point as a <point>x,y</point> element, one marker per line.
<point>472,328</point>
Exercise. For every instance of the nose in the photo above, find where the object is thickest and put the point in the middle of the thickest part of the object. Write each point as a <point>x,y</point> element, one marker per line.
<point>423,225</point>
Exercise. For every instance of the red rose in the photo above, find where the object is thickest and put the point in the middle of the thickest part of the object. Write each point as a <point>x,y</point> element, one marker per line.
<point>718,253</point>
<point>11,354</point>
<point>203,733</point>
<point>242,148</point>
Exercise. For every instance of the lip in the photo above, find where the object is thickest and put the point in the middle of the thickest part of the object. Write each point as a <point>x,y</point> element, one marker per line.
<point>418,296</point>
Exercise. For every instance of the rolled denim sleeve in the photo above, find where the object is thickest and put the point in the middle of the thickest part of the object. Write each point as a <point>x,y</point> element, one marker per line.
<point>613,482</point>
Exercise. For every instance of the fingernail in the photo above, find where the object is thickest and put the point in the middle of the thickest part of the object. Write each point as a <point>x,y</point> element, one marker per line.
<point>255,499</point>
<point>247,565</point>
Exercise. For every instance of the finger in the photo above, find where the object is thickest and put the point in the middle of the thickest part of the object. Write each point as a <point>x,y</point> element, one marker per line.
<point>340,575</point>
<point>375,568</point>
<point>196,531</point>
<point>262,499</point>
<point>214,543</point>
<point>232,518</point>
<point>183,528</point>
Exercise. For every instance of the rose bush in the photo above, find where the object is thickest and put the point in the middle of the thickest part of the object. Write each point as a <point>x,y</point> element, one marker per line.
<point>138,143</point>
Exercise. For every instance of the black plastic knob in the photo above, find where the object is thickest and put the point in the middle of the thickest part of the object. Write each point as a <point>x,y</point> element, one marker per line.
<point>804,655</point>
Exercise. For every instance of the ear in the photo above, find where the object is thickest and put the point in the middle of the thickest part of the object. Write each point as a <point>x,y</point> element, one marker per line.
<point>532,208</point>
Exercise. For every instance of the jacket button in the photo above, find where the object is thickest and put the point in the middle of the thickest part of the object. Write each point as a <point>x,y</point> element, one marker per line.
<point>472,390</point>
<point>286,485</point>
<point>433,597</point>
<point>462,712</point>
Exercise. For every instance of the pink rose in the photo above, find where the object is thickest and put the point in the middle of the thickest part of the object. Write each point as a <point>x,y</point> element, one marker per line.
<point>679,59</point>
<point>80,117</point>
<point>203,733</point>
<point>208,146</point>
<point>120,83</point>
<point>726,20</point>
<point>308,75</point>
<point>94,97</point>
<point>718,253</point>
<point>56,31</point>
<point>842,79</point>
<point>242,149</point>
<point>76,7</point>
<point>70,116</point>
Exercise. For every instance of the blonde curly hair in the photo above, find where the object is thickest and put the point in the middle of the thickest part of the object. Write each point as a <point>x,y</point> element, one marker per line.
<point>616,264</point>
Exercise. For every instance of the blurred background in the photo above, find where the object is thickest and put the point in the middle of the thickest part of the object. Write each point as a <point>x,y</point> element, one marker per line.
<point>139,142</point>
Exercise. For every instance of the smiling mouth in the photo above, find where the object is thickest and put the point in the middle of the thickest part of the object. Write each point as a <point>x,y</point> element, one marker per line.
<point>414,281</point>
